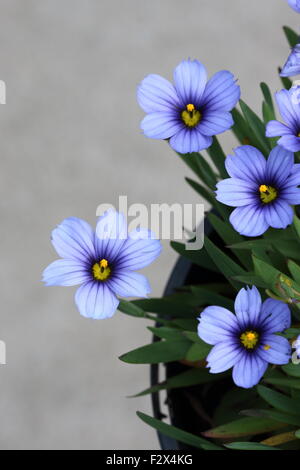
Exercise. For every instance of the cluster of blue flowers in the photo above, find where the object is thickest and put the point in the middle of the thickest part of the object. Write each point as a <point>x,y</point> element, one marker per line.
<point>188,114</point>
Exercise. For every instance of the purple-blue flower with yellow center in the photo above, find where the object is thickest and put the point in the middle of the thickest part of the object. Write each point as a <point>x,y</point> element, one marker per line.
<point>292,65</point>
<point>263,191</point>
<point>104,263</point>
<point>192,110</point>
<point>288,102</point>
<point>295,4</point>
<point>246,341</point>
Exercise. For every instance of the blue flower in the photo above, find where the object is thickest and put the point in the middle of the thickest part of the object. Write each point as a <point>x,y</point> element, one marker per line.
<point>192,110</point>
<point>103,262</point>
<point>292,65</point>
<point>289,107</point>
<point>295,4</point>
<point>246,341</point>
<point>261,190</point>
<point>297,346</point>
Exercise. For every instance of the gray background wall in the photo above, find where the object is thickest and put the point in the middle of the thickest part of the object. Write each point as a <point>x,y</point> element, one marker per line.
<point>69,141</point>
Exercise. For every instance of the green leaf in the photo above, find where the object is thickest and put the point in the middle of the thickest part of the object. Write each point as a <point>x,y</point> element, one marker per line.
<point>225,264</point>
<point>241,129</point>
<point>278,416</point>
<point>287,83</point>
<point>249,446</point>
<point>198,352</point>
<point>284,382</point>
<point>165,306</point>
<point>291,35</point>
<point>252,280</point>
<point>230,236</point>
<point>178,434</point>
<point>200,166</point>
<point>257,127</point>
<point>217,155</point>
<point>160,351</point>
<point>243,427</point>
<point>267,96</point>
<point>173,334</point>
<point>266,272</point>
<point>200,189</point>
<point>199,257</point>
<point>292,369</point>
<point>279,401</point>
<point>131,309</point>
<point>206,297</point>
<point>185,379</point>
<point>294,269</point>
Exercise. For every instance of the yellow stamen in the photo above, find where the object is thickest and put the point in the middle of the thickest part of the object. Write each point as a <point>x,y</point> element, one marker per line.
<point>249,339</point>
<point>267,347</point>
<point>190,107</point>
<point>101,270</point>
<point>267,193</point>
<point>263,188</point>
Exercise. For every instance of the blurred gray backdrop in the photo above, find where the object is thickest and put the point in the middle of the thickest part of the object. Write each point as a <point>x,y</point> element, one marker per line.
<point>70,140</point>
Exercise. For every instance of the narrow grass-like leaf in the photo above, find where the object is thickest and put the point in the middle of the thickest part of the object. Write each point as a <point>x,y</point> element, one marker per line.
<point>178,434</point>
<point>279,401</point>
<point>291,35</point>
<point>243,427</point>
<point>249,446</point>
<point>160,351</point>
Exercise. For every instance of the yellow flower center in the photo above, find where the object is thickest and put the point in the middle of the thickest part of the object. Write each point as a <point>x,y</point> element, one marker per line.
<point>191,116</point>
<point>101,270</point>
<point>267,193</point>
<point>249,339</point>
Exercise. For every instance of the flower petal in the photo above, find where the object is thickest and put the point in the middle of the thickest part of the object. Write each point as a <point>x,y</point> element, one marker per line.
<point>129,284</point>
<point>276,128</point>
<point>279,214</point>
<point>139,250</point>
<point>215,122</point>
<point>161,125</point>
<point>287,111</point>
<point>292,65</point>
<point>221,92</point>
<point>155,93</point>
<point>223,356</point>
<point>190,79</point>
<point>217,324</point>
<point>275,349</point>
<point>65,272</point>
<point>275,316</point>
<point>290,142</point>
<point>235,192</point>
<point>111,233</point>
<point>95,300</point>
<point>249,370</point>
<point>74,239</point>
<point>295,4</point>
<point>291,195</point>
<point>247,306</point>
<point>249,220</point>
<point>279,165</point>
<point>188,141</point>
<point>248,163</point>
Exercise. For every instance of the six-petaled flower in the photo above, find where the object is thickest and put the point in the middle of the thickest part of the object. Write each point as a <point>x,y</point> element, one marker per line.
<point>192,110</point>
<point>104,263</point>
<point>246,341</point>
<point>263,191</point>
<point>288,102</point>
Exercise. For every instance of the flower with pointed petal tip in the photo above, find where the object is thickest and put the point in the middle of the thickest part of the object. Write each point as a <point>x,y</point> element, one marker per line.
<point>262,191</point>
<point>292,65</point>
<point>288,102</point>
<point>103,263</point>
<point>295,4</point>
<point>246,341</point>
<point>192,110</point>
